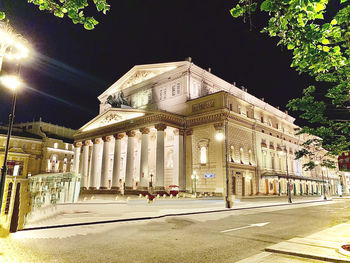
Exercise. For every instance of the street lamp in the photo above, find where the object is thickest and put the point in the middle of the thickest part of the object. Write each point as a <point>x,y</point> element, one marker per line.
<point>195,177</point>
<point>151,175</point>
<point>220,135</point>
<point>287,173</point>
<point>324,187</point>
<point>12,44</point>
<point>13,83</point>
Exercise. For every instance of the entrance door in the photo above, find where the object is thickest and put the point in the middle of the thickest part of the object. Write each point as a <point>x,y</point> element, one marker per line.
<point>15,212</point>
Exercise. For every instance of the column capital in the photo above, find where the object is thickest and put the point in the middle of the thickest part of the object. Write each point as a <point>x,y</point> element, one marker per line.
<point>107,138</point>
<point>160,126</point>
<point>87,143</point>
<point>77,144</point>
<point>189,132</point>
<point>118,136</point>
<point>131,133</point>
<point>97,141</point>
<point>144,130</point>
<point>179,132</point>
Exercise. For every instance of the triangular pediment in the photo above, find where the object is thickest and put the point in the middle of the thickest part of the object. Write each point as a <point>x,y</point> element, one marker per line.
<point>112,116</point>
<point>139,74</point>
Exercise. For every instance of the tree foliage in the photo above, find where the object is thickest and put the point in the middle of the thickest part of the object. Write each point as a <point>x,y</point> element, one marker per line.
<point>318,34</point>
<point>73,9</point>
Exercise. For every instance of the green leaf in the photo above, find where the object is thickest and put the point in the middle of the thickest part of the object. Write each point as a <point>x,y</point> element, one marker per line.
<point>333,22</point>
<point>343,1</point>
<point>319,7</point>
<point>290,46</point>
<point>325,41</point>
<point>265,6</point>
<point>2,15</point>
<point>325,48</point>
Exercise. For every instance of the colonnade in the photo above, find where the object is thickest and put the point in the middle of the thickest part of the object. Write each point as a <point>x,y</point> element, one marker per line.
<point>92,160</point>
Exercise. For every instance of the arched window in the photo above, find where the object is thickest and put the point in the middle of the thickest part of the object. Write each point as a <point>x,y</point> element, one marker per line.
<point>250,156</point>
<point>241,155</point>
<point>232,153</point>
<point>203,151</point>
<point>203,155</point>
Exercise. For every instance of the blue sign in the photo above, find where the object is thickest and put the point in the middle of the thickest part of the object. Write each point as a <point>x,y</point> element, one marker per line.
<point>209,175</point>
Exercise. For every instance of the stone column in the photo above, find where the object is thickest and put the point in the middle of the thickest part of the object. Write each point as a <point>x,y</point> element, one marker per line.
<point>178,178</point>
<point>85,165</point>
<point>77,150</point>
<point>116,161</point>
<point>105,162</point>
<point>130,160</point>
<point>160,157</point>
<point>95,164</point>
<point>144,158</point>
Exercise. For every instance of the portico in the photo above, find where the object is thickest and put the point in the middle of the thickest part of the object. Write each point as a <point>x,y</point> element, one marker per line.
<point>123,154</point>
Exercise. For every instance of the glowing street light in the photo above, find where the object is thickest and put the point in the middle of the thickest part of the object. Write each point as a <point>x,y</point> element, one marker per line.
<point>12,45</point>
<point>13,83</point>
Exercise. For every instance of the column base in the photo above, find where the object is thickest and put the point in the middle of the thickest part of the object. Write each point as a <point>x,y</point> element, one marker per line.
<point>129,188</point>
<point>115,188</point>
<point>92,188</point>
<point>159,188</point>
<point>103,188</point>
<point>142,188</point>
<point>83,188</point>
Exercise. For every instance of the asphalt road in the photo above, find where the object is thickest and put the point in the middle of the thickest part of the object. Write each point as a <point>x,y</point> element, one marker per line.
<point>217,237</point>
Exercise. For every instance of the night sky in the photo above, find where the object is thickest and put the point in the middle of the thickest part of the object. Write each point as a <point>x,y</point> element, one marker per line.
<point>71,66</point>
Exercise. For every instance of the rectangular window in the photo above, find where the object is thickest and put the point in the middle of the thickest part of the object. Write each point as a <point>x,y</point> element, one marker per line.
<point>231,107</point>
<point>161,95</point>
<point>173,90</point>
<point>262,119</point>
<point>178,88</point>
<point>164,95</point>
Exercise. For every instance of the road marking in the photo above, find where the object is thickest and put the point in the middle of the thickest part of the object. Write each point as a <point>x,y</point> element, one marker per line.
<point>243,227</point>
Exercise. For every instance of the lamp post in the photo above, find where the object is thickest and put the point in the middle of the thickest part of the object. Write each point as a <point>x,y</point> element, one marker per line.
<point>151,175</point>
<point>195,177</point>
<point>220,135</point>
<point>287,173</point>
<point>324,187</point>
<point>13,83</point>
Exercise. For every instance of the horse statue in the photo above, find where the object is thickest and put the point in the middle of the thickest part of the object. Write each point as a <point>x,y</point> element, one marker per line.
<point>117,101</point>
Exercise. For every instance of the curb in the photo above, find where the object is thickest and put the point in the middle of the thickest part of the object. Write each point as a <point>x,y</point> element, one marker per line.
<point>304,255</point>
<point>166,215</point>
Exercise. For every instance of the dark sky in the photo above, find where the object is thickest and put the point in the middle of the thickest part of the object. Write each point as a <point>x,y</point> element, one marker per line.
<point>72,66</point>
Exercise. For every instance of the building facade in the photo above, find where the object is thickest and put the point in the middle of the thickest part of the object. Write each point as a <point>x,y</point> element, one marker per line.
<point>344,162</point>
<point>160,124</point>
<point>38,147</point>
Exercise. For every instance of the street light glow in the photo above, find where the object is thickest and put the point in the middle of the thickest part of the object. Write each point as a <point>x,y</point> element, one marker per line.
<point>323,168</point>
<point>317,162</point>
<point>11,82</point>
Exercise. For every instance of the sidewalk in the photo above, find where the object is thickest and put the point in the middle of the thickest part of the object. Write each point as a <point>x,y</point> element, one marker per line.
<point>108,210</point>
<point>324,245</point>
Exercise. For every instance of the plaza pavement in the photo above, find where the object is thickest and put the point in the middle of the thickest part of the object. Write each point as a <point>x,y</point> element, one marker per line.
<point>104,209</point>
<point>318,247</point>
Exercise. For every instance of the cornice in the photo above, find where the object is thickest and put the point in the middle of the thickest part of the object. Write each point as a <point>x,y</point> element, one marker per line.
<point>165,118</point>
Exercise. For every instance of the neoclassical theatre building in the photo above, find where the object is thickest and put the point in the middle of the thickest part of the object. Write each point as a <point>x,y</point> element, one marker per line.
<point>160,124</point>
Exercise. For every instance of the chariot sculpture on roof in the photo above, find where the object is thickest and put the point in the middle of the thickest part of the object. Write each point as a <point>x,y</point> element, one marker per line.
<point>117,101</point>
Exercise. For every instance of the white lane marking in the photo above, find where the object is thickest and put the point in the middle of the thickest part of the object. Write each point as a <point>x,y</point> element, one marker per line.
<point>243,227</point>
